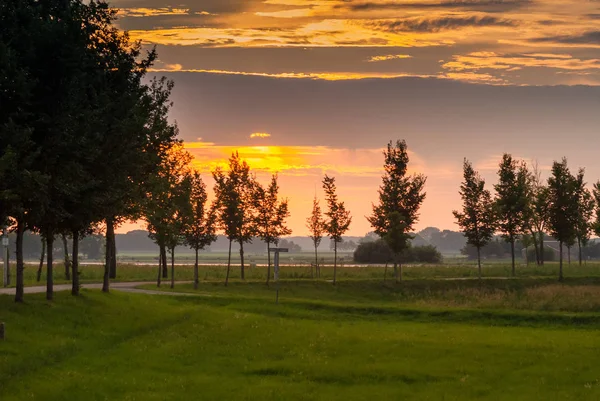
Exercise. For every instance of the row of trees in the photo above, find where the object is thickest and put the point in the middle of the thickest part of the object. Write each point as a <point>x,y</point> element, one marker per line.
<point>526,208</point>
<point>82,130</point>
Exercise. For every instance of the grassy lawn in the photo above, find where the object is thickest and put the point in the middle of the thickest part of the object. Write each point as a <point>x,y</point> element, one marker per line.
<point>132,272</point>
<point>423,340</point>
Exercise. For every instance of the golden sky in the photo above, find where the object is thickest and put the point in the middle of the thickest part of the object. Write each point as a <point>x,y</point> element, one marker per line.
<point>308,87</point>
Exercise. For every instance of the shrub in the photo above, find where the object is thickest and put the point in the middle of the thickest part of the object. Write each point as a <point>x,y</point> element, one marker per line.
<point>378,252</point>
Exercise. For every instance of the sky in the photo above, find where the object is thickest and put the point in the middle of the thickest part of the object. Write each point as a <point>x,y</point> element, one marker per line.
<point>304,88</point>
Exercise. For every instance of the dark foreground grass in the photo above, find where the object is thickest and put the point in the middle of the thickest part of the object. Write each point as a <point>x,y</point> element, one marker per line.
<point>317,344</point>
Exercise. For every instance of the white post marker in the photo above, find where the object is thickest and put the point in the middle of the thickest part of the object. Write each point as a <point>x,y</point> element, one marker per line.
<point>276,268</point>
<point>5,256</point>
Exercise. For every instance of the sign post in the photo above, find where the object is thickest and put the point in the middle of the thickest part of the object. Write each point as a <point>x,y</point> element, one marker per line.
<point>6,275</point>
<point>276,268</point>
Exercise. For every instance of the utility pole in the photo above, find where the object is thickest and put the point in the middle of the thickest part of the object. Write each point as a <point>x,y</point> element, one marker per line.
<point>6,275</point>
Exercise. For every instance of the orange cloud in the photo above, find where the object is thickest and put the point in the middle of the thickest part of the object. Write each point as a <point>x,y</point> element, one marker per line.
<point>260,135</point>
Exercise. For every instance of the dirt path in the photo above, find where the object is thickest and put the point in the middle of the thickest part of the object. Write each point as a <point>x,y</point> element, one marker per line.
<point>119,286</point>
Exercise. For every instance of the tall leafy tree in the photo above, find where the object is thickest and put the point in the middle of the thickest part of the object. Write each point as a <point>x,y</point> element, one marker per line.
<point>271,215</point>
<point>537,211</point>
<point>596,193</point>
<point>199,228</point>
<point>338,218</point>
<point>400,198</point>
<point>167,205</point>
<point>316,228</point>
<point>585,213</point>
<point>233,205</point>
<point>512,201</point>
<point>477,219</point>
<point>562,208</point>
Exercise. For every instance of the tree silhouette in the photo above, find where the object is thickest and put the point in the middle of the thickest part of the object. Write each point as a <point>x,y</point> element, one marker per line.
<point>270,217</point>
<point>316,229</point>
<point>338,218</point>
<point>477,219</point>
<point>562,207</point>
<point>536,215</point>
<point>400,198</point>
<point>512,201</point>
<point>585,213</point>
<point>233,205</point>
<point>199,228</point>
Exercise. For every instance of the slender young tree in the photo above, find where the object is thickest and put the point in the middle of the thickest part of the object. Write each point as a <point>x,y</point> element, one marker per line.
<point>537,211</point>
<point>233,205</point>
<point>199,229</point>
<point>562,210</point>
<point>167,203</point>
<point>271,215</point>
<point>400,198</point>
<point>316,228</point>
<point>338,218</point>
<point>585,213</point>
<point>512,201</point>
<point>477,219</point>
<point>596,193</point>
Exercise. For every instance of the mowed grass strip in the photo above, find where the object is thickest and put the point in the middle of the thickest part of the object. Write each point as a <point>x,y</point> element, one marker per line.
<point>238,345</point>
<point>132,272</point>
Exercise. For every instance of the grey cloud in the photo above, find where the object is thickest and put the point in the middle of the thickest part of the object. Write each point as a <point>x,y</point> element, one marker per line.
<point>482,5</point>
<point>439,24</point>
<point>590,37</point>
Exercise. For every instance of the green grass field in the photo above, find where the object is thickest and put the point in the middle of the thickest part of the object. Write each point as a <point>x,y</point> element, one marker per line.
<point>527,339</point>
<point>130,272</point>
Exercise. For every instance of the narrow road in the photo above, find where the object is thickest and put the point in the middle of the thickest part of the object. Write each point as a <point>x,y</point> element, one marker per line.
<point>119,286</point>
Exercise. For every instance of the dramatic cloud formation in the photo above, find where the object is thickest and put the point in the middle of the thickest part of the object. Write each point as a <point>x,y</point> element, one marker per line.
<point>323,85</point>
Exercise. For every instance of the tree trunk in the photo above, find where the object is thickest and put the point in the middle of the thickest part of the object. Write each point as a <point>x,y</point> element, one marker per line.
<point>165,266</point>
<point>542,248</point>
<point>569,255</point>
<point>172,267</point>
<point>479,261</point>
<point>75,264</point>
<point>268,262</point>
<point>536,247</point>
<point>67,260</point>
<point>196,271</point>
<point>385,273</point>
<point>512,254</point>
<point>113,255</point>
<point>228,264</point>
<point>20,264</point>
<point>110,233</point>
<point>242,259</point>
<point>396,271</point>
<point>160,264</point>
<point>580,253</point>
<point>39,272</point>
<point>316,261</point>
<point>334,261</point>
<point>49,266</point>
<point>560,272</point>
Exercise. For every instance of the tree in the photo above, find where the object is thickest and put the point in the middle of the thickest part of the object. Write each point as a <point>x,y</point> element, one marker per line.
<point>596,193</point>
<point>338,218</point>
<point>537,211</point>
<point>167,205</point>
<point>316,229</point>
<point>270,217</point>
<point>562,207</point>
<point>477,219</point>
<point>400,198</point>
<point>585,212</point>
<point>199,228</point>
<point>233,205</point>
<point>512,201</point>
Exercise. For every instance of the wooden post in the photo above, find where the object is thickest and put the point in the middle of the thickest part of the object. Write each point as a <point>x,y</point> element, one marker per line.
<point>1,331</point>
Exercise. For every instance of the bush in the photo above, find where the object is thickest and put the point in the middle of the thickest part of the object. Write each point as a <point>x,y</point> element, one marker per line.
<point>549,255</point>
<point>378,252</point>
